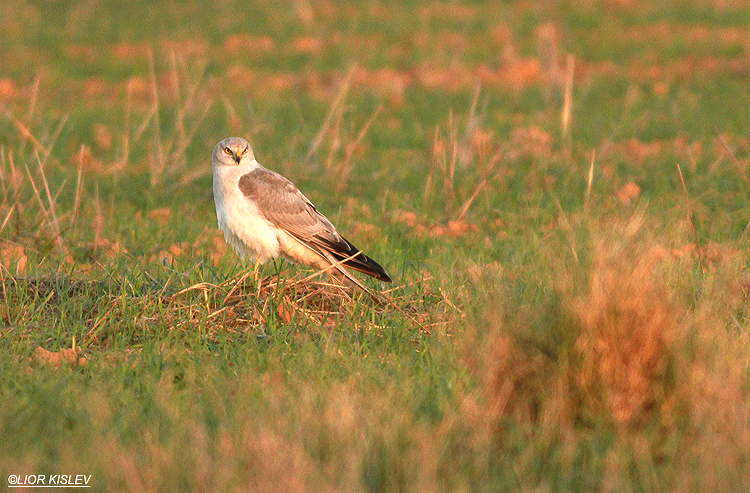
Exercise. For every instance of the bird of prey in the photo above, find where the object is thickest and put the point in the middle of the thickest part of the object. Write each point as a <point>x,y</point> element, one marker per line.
<point>263,215</point>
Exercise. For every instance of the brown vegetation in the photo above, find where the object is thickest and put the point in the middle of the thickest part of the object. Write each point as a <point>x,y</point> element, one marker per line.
<point>624,350</point>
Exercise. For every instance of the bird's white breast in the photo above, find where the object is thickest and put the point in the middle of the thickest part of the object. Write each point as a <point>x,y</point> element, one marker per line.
<point>243,225</point>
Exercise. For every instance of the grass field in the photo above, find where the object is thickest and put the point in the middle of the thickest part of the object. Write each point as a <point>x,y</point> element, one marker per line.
<point>558,189</point>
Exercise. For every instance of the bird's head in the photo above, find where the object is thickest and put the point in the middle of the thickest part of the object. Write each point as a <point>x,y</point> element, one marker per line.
<point>232,151</point>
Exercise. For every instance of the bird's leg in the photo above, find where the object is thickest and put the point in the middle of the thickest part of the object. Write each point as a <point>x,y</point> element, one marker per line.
<point>256,272</point>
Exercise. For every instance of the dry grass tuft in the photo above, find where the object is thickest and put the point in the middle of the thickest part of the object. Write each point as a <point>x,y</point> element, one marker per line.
<point>69,356</point>
<point>238,305</point>
<point>627,324</point>
<point>297,298</point>
<point>614,351</point>
<point>605,352</point>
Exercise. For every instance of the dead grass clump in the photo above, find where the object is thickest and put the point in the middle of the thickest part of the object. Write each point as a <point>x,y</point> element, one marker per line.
<point>296,299</point>
<point>13,256</point>
<point>599,350</point>
<point>627,323</point>
<point>71,356</point>
<point>612,356</point>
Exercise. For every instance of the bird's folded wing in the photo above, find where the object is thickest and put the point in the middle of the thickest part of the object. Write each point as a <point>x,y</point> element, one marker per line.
<point>284,205</point>
<point>288,209</point>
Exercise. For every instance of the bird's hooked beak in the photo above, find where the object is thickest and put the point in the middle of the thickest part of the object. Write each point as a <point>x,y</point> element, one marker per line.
<point>236,157</point>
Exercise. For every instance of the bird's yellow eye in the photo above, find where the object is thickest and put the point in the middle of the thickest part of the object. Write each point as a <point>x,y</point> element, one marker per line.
<point>245,151</point>
<point>228,151</point>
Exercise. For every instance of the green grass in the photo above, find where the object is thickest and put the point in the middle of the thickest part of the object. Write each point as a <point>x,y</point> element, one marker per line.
<point>546,332</point>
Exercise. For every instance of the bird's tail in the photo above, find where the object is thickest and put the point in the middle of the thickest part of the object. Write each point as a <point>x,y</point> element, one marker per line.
<point>343,251</point>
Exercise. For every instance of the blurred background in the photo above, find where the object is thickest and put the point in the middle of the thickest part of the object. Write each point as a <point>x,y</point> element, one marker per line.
<point>351,92</point>
<point>558,188</point>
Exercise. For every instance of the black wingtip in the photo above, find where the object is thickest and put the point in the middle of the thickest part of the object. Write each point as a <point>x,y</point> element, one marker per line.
<point>366,265</point>
<point>340,248</point>
<point>380,275</point>
<point>361,263</point>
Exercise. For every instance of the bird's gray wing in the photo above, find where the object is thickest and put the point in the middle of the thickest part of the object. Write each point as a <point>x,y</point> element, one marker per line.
<point>284,205</point>
<point>287,208</point>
